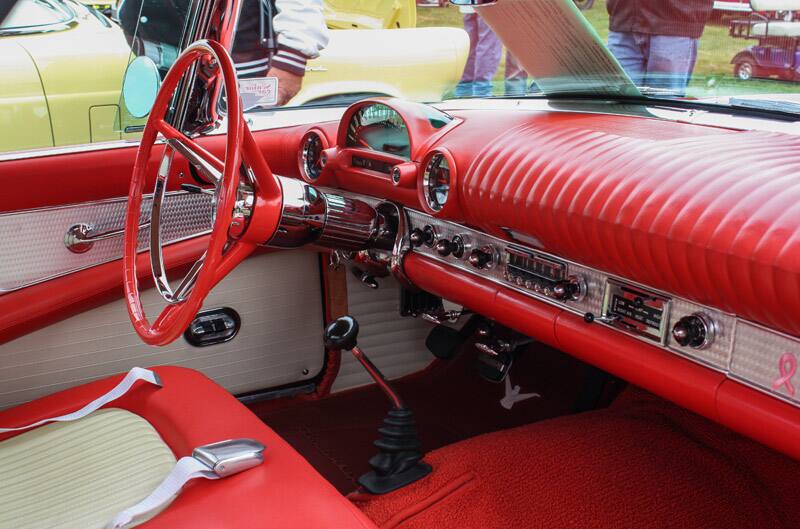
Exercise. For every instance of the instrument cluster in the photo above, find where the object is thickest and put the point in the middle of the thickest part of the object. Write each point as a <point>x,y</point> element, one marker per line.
<point>386,147</point>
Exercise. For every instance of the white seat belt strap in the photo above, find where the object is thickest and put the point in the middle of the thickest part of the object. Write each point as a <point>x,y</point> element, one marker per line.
<point>134,375</point>
<point>185,470</point>
<point>214,461</point>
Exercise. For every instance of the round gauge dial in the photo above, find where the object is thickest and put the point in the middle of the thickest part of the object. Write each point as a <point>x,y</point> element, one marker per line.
<point>378,127</point>
<point>436,181</point>
<point>311,160</point>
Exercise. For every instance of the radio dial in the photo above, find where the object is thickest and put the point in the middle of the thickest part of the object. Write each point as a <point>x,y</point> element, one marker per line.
<point>695,331</point>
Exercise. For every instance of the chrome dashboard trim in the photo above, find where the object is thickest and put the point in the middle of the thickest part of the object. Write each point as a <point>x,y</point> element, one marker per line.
<point>33,248</point>
<point>746,352</point>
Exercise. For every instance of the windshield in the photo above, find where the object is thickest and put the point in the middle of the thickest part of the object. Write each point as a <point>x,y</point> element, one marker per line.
<point>66,64</point>
<point>28,14</point>
<point>720,52</point>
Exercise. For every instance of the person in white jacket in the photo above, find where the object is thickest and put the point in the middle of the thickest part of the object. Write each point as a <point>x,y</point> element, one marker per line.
<point>276,38</point>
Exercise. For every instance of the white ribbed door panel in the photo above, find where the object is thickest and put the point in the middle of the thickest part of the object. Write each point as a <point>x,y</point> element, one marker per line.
<point>395,344</point>
<point>278,297</point>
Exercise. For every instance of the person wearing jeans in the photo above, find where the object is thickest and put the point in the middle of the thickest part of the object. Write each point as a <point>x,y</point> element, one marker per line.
<point>485,50</point>
<point>656,41</point>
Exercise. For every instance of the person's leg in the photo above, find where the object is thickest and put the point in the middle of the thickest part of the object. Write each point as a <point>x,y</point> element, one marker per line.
<point>671,62</point>
<point>516,78</point>
<point>465,86</point>
<point>487,58</point>
<point>629,49</point>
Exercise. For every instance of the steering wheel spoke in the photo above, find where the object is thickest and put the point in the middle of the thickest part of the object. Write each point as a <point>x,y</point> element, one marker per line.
<point>209,165</point>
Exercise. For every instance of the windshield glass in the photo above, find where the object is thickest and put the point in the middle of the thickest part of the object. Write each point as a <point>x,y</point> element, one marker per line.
<point>699,49</point>
<point>36,13</point>
<point>66,64</point>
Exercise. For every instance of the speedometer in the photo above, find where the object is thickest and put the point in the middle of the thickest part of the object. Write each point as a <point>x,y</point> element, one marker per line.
<point>378,127</point>
<point>436,181</point>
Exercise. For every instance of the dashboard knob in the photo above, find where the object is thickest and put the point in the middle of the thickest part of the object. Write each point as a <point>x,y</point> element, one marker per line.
<point>482,258</point>
<point>444,247</point>
<point>459,246</point>
<point>573,288</point>
<point>418,237</point>
<point>695,331</point>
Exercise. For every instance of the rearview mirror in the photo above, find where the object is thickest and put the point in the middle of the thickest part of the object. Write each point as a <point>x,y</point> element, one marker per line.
<point>140,86</point>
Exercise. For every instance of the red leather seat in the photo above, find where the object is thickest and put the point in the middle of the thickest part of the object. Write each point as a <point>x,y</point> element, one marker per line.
<point>190,410</point>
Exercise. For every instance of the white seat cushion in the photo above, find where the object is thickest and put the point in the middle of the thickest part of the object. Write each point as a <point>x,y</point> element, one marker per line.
<point>776,29</point>
<point>78,475</point>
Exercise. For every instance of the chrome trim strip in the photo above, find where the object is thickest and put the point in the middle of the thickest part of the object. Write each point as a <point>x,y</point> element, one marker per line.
<point>33,240</point>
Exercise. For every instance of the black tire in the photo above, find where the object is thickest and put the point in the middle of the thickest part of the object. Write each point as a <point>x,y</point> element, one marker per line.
<point>583,5</point>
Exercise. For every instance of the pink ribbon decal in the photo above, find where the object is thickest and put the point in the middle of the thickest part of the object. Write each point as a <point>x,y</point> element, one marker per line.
<point>788,367</point>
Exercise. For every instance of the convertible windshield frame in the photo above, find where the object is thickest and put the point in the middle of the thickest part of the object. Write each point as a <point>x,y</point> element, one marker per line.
<point>68,21</point>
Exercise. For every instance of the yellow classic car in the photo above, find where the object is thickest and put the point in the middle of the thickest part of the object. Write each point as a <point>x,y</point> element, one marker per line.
<point>62,64</point>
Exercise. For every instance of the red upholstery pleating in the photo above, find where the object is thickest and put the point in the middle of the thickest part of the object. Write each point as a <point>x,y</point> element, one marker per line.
<point>643,463</point>
<point>705,213</point>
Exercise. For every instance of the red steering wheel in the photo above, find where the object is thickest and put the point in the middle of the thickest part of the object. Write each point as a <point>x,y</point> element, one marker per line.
<point>247,199</point>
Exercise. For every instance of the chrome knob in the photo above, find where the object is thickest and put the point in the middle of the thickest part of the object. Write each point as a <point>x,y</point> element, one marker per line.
<point>460,245</point>
<point>696,331</point>
<point>573,289</point>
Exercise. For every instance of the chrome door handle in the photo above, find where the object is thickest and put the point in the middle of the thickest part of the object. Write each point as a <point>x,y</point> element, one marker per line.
<point>80,237</point>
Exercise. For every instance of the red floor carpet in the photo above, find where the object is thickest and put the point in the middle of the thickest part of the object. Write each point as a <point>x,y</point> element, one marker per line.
<point>642,463</point>
<point>450,403</point>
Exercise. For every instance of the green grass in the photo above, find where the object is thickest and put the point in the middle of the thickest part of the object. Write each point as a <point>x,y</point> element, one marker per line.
<point>713,74</point>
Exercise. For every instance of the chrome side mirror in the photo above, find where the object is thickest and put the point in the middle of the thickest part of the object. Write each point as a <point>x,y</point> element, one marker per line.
<point>140,86</point>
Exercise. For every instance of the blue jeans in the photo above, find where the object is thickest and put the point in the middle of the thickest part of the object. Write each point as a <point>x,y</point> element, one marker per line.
<point>656,61</point>
<point>485,50</point>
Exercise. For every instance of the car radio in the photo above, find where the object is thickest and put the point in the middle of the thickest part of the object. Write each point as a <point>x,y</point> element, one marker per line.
<point>636,310</point>
<point>541,274</point>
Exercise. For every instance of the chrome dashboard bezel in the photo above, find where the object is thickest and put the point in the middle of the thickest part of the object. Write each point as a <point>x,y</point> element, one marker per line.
<point>744,351</point>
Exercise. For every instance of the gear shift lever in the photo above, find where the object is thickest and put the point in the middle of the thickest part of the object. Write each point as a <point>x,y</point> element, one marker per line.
<point>398,462</point>
<point>342,333</point>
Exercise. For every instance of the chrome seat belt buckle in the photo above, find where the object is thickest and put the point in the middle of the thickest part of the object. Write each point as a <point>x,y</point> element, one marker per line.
<point>230,457</point>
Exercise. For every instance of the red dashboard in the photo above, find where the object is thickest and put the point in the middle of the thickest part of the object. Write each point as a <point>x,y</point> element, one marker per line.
<point>707,213</point>
<point>702,222</point>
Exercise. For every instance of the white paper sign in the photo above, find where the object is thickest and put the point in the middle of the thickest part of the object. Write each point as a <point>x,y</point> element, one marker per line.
<point>258,92</point>
<point>557,46</point>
